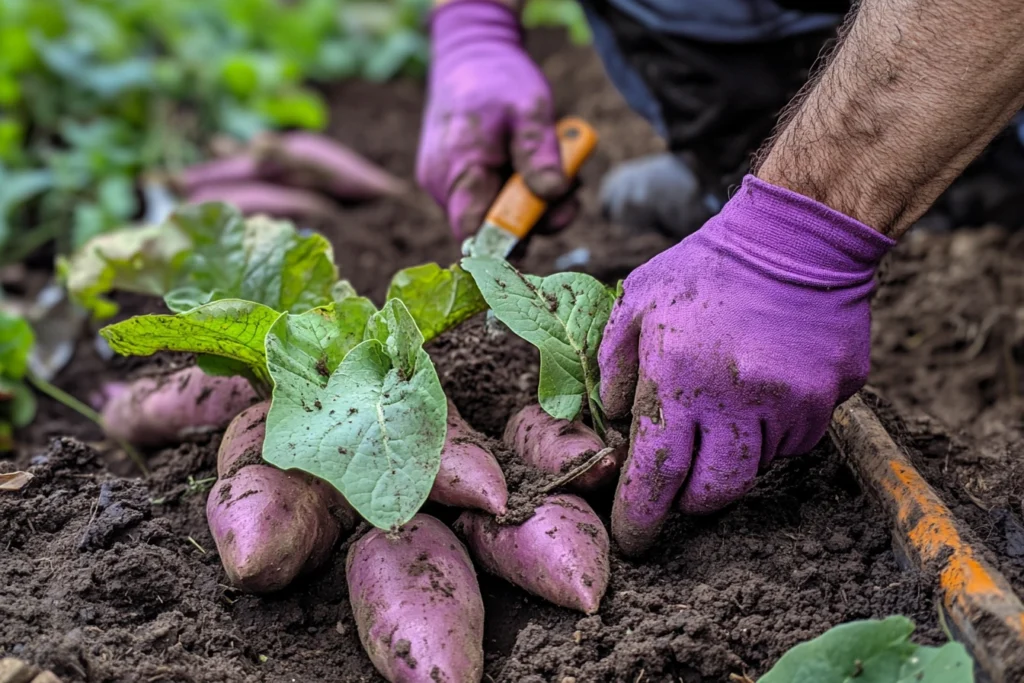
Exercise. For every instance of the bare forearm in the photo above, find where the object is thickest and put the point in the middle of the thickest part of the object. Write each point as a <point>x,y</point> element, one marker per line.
<point>915,91</point>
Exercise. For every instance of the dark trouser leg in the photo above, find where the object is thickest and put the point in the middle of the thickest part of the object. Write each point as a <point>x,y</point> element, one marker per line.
<point>718,102</point>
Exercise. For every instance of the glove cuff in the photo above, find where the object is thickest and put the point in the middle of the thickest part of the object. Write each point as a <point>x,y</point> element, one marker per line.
<point>798,238</point>
<point>460,21</point>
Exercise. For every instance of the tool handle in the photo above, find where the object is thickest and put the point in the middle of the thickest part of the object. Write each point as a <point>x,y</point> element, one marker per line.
<point>516,209</point>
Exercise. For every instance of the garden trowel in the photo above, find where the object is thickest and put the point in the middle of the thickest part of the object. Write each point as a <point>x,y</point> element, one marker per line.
<point>516,210</point>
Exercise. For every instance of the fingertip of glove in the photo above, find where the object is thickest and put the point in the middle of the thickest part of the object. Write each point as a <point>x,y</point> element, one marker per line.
<point>547,183</point>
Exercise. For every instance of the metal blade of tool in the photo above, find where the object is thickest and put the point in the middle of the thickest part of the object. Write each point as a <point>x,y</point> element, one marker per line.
<point>516,209</point>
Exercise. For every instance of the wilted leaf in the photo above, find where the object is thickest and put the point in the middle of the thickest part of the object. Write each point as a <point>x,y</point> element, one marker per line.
<point>14,481</point>
<point>141,260</point>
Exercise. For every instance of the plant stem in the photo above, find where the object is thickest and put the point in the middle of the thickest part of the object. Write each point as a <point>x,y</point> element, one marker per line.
<point>66,399</point>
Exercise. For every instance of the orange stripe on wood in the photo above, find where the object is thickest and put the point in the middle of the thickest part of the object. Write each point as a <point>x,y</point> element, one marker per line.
<point>934,534</point>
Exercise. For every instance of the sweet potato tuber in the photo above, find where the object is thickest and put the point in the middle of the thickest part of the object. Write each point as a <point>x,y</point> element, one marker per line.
<point>270,526</point>
<point>233,169</point>
<point>469,476</point>
<point>274,200</point>
<point>320,163</point>
<point>155,411</point>
<point>560,554</point>
<point>417,604</point>
<point>558,446</point>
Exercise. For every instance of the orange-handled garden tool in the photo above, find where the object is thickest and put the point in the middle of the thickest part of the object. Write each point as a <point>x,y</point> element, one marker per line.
<point>516,210</point>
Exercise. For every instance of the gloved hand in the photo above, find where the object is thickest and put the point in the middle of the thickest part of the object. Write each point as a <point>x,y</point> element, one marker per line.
<point>488,107</point>
<point>739,341</point>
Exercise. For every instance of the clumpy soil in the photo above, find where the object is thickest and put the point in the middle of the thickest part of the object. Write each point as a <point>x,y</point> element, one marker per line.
<point>106,577</point>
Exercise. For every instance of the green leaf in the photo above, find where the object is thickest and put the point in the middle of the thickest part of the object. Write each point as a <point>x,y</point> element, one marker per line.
<point>313,344</point>
<point>375,431</point>
<point>20,408</point>
<point>564,316</point>
<point>230,328</point>
<point>258,259</point>
<point>141,260</point>
<point>438,298</point>
<point>16,341</point>
<point>300,108</point>
<point>117,197</point>
<point>871,652</point>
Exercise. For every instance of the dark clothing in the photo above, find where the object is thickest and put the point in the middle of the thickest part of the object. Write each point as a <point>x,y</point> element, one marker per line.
<point>714,102</point>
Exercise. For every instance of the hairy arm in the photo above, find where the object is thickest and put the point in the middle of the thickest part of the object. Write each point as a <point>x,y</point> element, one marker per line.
<point>915,91</point>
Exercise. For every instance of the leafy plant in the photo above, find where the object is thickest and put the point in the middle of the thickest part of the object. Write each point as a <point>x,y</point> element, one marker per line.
<point>355,398</point>
<point>201,254</point>
<point>374,425</point>
<point>873,651</point>
<point>564,316</point>
<point>94,92</point>
<point>17,402</point>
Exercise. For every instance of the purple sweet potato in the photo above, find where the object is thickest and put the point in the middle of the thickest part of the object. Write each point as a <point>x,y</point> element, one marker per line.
<point>265,198</point>
<point>155,411</point>
<point>318,162</point>
<point>469,476</point>
<point>417,604</point>
<point>558,446</point>
<point>560,554</point>
<point>233,169</point>
<point>270,526</point>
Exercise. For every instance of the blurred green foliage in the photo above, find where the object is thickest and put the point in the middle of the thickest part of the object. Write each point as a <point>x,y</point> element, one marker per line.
<point>94,92</point>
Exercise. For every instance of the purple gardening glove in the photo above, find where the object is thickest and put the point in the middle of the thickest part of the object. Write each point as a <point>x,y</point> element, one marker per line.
<point>738,342</point>
<point>489,108</point>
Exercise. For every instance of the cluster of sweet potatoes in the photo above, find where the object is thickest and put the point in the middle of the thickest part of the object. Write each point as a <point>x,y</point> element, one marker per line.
<point>413,591</point>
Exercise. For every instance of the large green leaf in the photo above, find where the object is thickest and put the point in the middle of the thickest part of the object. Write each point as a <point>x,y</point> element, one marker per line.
<point>141,260</point>
<point>311,345</point>
<point>872,652</point>
<point>16,340</point>
<point>375,431</point>
<point>438,298</point>
<point>205,253</point>
<point>563,315</point>
<point>258,259</point>
<point>230,328</point>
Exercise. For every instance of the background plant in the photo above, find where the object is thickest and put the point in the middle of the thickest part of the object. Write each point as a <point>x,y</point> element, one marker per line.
<point>94,92</point>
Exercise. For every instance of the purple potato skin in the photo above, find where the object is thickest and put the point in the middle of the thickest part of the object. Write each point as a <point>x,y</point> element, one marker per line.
<point>234,169</point>
<point>270,526</point>
<point>559,554</point>
<point>157,411</point>
<point>553,445</point>
<point>417,604</point>
<point>317,162</point>
<point>252,198</point>
<point>469,476</point>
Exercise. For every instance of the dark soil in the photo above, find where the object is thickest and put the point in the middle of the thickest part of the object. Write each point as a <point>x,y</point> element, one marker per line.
<point>106,578</point>
<point>111,579</point>
<point>948,344</point>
